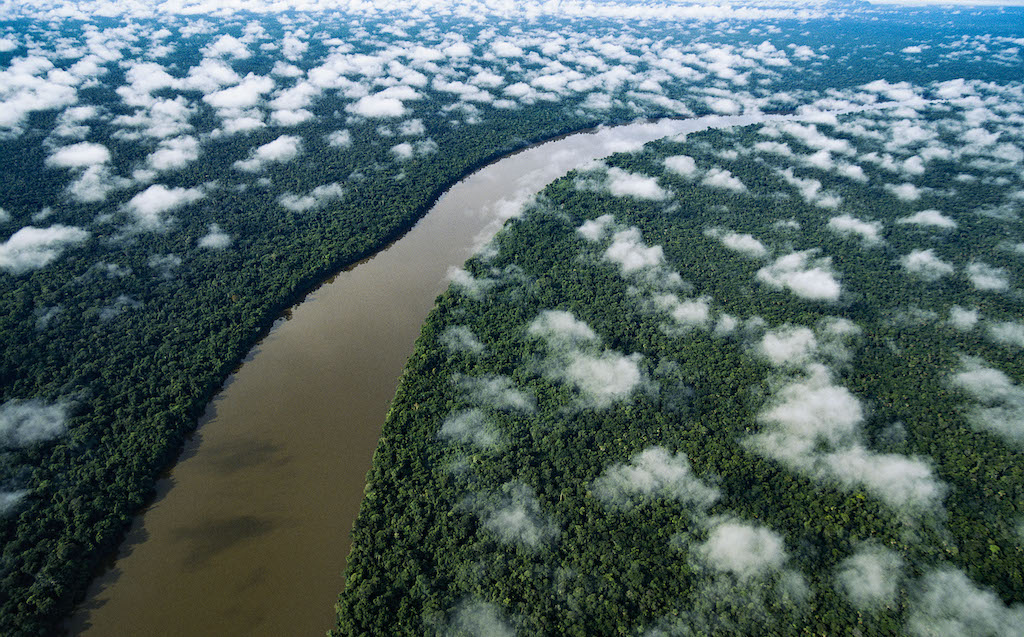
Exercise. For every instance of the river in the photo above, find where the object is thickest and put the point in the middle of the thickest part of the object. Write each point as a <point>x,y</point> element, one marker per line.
<point>248,533</point>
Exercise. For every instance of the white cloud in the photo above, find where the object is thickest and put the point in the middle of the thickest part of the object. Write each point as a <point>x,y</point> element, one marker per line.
<point>931,218</point>
<point>743,549</point>
<point>904,191</point>
<point>95,183</point>
<point>745,244</point>
<point>949,603</point>
<point>631,253</point>
<point>1007,333</point>
<point>686,313</point>
<point>681,165</point>
<point>340,139</point>
<point>962,318</point>
<point>478,619</point>
<point>926,265</point>
<point>495,392</point>
<point>594,229</point>
<point>654,473</point>
<point>387,103</point>
<point>81,155</point>
<point>721,178</point>
<point>788,345</point>
<point>1000,408</point>
<point>469,426</point>
<point>604,378</point>
<point>869,578</point>
<point>561,328</point>
<point>625,184</point>
<point>32,248</point>
<point>149,206</point>
<point>248,93</point>
<point>848,225</point>
<point>227,46</point>
<point>987,278</point>
<point>459,338</point>
<point>314,199</point>
<point>174,153</point>
<point>515,515</point>
<point>27,422</point>
<point>804,275</point>
<point>9,501</point>
<point>283,149</point>
<point>813,425</point>
<point>215,238</point>
<point>811,190</point>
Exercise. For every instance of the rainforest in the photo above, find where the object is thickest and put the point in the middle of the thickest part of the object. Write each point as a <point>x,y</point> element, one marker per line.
<point>757,379</point>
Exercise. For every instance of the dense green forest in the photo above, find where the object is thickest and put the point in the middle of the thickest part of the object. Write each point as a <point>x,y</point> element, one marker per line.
<point>172,182</point>
<point>763,380</point>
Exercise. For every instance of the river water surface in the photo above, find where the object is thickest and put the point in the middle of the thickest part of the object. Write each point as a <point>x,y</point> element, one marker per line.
<point>248,533</point>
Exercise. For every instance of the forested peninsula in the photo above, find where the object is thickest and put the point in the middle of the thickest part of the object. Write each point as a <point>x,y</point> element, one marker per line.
<point>760,380</point>
<point>177,174</point>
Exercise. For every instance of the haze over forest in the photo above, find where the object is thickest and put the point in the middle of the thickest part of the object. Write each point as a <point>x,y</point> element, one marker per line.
<point>760,378</point>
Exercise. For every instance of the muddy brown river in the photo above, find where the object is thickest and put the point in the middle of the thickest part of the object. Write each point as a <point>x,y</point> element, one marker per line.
<point>249,532</point>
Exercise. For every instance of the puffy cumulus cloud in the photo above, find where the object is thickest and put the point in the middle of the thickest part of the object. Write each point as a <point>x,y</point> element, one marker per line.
<point>686,314</point>
<point>561,328</point>
<point>626,184</point>
<point>924,264</point>
<point>227,46</point>
<point>515,515</point>
<point>473,287</point>
<point>246,94</point>
<point>929,218</point>
<point>95,183</point>
<point>469,426</point>
<point>494,391</point>
<point>1007,332</point>
<point>9,501</point>
<point>870,577</point>
<point>788,345</point>
<point>721,178</point>
<point>477,619</point>
<point>31,84</point>
<point>313,200</point>
<point>340,139</point>
<point>4,216</point>
<point>962,318</point>
<point>900,481</point>
<point>80,155</point>
<point>804,275</point>
<point>811,190</point>
<point>407,150</point>
<point>595,229</point>
<point>905,191</point>
<point>174,153</point>
<point>31,248</point>
<point>27,422</point>
<point>654,473</point>
<point>987,278</point>
<point>947,602</point>
<point>459,338</point>
<point>810,136</point>
<point>1000,401</point>
<point>603,377</point>
<point>215,238</point>
<point>149,207</point>
<point>681,165</point>
<point>283,149</point>
<point>814,426</point>
<point>848,225</point>
<point>745,550</point>
<point>385,104</point>
<point>629,251</point>
<point>745,244</point>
